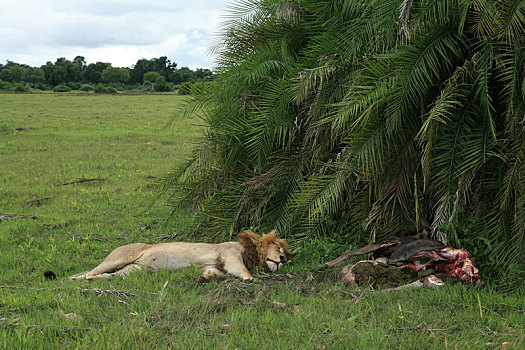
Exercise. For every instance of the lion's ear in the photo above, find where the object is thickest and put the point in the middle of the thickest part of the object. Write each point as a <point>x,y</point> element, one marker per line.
<point>271,234</point>
<point>283,244</point>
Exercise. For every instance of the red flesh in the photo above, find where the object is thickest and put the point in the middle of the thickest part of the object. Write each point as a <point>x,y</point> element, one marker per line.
<point>454,262</point>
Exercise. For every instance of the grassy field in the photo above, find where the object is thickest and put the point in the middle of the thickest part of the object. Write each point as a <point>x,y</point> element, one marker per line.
<point>124,142</point>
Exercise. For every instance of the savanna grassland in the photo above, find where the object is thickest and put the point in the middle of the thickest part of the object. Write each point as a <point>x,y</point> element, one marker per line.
<point>50,222</point>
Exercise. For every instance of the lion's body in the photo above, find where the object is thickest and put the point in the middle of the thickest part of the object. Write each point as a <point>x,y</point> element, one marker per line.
<point>234,258</point>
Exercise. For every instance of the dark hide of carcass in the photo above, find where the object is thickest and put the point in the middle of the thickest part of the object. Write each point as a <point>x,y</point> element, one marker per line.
<point>401,260</point>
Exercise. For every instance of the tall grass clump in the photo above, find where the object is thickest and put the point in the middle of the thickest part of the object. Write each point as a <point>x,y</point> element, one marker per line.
<point>362,118</point>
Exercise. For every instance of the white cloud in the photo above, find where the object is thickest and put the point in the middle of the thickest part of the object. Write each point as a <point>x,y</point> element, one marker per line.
<point>116,31</point>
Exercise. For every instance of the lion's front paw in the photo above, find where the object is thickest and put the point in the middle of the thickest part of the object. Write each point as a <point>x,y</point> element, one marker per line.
<point>203,279</point>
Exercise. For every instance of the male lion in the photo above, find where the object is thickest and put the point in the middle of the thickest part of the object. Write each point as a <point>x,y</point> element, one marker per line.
<point>235,258</point>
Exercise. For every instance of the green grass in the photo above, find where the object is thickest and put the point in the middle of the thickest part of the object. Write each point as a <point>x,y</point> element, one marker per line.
<point>124,139</point>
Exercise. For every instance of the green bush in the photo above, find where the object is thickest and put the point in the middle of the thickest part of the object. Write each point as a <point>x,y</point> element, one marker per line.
<point>125,87</point>
<point>86,87</point>
<point>101,89</point>
<point>74,85</point>
<point>42,86</point>
<point>4,85</point>
<point>20,87</point>
<point>151,77</point>
<point>161,84</point>
<point>62,88</point>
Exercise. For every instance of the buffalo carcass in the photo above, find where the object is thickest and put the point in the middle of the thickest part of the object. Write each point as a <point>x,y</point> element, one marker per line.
<point>410,262</point>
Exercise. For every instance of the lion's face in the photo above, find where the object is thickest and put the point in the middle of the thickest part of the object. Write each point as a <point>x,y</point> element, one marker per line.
<point>275,256</point>
<point>267,251</point>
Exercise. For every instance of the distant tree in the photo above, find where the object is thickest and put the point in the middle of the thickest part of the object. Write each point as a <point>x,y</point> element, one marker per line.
<point>175,77</point>
<point>182,75</point>
<point>93,72</point>
<point>65,70</point>
<point>156,82</point>
<point>33,75</point>
<point>161,84</point>
<point>151,77</point>
<point>115,75</point>
<point>59,74</point>
<point>62,71</point>
<point>48,69</point>
<point>5,74</point>
<point>161,65</point>
<point>164,66</point>
<point>186,74</point>
<point>16,72</point>
<point>203,73</point>
<point>139,69</point>
<point>80,63</point>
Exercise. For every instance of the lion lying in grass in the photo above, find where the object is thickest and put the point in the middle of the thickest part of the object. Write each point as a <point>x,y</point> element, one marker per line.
<point>235,258</point>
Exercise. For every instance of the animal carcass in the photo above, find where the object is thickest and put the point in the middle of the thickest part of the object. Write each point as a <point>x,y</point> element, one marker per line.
<point>401,260</point>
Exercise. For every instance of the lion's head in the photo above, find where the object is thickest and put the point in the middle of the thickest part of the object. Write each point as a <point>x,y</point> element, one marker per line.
<point>267,250</point>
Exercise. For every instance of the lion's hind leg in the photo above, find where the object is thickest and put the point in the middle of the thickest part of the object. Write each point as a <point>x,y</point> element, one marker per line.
<point>118,260</point>
<point>86,275</point>
<point>123,272</point>
<point>79,276</point>
<point>126,270</point>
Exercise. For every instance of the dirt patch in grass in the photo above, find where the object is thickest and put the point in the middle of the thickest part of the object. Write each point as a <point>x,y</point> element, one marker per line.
<point>277,277</point>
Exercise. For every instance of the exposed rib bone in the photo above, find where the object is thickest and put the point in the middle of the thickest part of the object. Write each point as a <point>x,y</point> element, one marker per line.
<point>428,282</point>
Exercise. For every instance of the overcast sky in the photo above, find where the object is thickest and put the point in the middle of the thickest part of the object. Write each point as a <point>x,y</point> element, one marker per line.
<point>116,31</point>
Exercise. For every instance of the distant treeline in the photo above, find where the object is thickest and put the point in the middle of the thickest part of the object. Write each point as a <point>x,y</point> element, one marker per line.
<point>156,74</point>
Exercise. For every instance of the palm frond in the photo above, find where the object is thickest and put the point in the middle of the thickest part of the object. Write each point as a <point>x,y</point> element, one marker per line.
<point>326,116</point>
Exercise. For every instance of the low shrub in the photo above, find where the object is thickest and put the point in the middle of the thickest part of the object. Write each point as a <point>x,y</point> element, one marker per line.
<point>42,86</point>
<point>86,87</point>
<point>62,88</point>
<point>20,87</point>
<point>161,85</point>
<point>74,85</point>
<point>101,89</point>
<point>4,85</point>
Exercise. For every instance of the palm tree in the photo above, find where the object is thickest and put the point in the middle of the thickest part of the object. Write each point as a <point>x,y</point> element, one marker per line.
<point>330,116</point>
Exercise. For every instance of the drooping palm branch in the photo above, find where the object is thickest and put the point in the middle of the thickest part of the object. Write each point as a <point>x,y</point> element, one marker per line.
<point>328,114</point>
